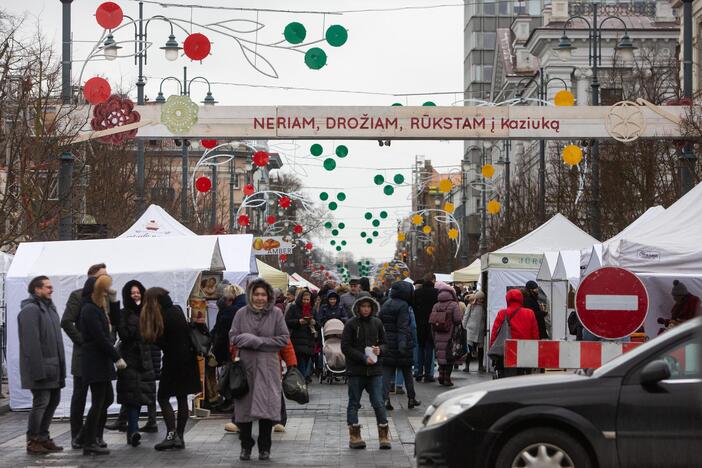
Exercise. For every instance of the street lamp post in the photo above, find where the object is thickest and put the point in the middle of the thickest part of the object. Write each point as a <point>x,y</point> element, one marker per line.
<point>465,168</point>
<point>66,159</point>
<point>687,159</point>
<point>565,49</point>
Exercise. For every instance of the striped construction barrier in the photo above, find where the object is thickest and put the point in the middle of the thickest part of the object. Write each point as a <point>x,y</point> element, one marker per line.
<point>547,354</point>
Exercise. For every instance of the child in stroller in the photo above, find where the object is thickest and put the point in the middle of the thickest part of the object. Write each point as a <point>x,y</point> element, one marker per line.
<point>334,360</point>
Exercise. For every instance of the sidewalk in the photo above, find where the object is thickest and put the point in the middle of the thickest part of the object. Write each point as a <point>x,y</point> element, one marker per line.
<point>316,436</point>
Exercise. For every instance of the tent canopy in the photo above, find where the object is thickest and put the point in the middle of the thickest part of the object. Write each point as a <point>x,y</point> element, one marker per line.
<point>558,233</point>
<point>277,278</point>
<point>156,222</point>
<point>300,282</point>
<point>468,274</point>
<point>445,277</point>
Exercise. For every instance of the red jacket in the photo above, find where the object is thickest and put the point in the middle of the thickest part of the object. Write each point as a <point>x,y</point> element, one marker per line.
<point>523,323</point>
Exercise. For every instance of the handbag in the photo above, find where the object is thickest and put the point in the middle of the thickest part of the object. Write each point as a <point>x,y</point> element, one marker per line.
<point>295,387</point>
<point>200,338</point>
<point>497,350</point>
<point>233,383</point>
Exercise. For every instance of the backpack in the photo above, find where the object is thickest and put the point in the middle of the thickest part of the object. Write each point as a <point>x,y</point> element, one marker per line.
<point>441,321</point>
<point>497,350</point>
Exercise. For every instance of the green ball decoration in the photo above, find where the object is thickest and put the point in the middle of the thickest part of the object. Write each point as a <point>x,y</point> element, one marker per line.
<point>341,196</point>
<point>315,58</point>
<point>343,242</point>
<point>388,190</point>
<point>383,214</point>
<point>332,242</point>
<point>369,240</point>
<point>367,262</point>
<point>368,215</point>
<point>375,234</point>
<point>363,234</point>
<point>328,225</point>
<point>295,33</point>
<point>333,206</point>
<point>336,35</point>
<point>338,248</point>
<point>398,179</point>
<point>342,151</point>
<point>378,179</point>
<point>429,104</point>
<point>335,232</point>
<point>324,196</point>
<point>397,104</point>
<point>329,164</point>
<point>376,222</point>
<point>342,225</point>
<point>316,149</point>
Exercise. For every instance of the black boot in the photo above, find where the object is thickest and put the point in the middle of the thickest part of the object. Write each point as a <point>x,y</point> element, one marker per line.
<point>170,442</point>
<point>245,454</point>
<point>412,402</point>
<point>95,449</point>
<point>119,425</point>
<point>134,439</point>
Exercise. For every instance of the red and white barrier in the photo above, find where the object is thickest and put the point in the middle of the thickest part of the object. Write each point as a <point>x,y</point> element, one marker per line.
<point>546,354</point>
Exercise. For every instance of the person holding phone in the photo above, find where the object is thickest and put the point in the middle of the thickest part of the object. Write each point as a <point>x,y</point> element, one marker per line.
<point>303,330</point>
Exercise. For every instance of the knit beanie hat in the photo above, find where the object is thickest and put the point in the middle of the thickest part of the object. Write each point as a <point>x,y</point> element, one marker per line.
<point>531,285</point>
<point>679,289</point>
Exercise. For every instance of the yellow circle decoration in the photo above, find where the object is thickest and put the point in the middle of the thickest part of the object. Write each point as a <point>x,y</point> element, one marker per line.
<point>493,207</point>
<point>453,234</point>
<point>401,236</point>
<point>488,171</point>
<point>449,207</point>
<point>572,155</point>
<point>445,186</point>
<point>417,219</point>
<point>564,98</point>
<point>426,229</point>
<point>430,250</point>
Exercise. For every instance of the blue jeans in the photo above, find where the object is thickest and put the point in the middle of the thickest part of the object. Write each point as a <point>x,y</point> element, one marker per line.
<point>133,419</point>
<point>304,364</point>
<point>399,379</point>
<point>374,386</point>
<point>425,355</point>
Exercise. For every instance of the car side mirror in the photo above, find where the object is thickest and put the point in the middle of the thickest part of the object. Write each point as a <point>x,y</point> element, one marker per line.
<point>654,372</point>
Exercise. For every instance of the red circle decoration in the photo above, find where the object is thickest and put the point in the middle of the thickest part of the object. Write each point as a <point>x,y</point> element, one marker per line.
<point>285,202</point>
<point>209,144</point>
<point>321,267</point>
<point>283,258</point>
<point>243,220</point>
<point>249,190</point>
<point>308,246</point>
<point>271,219</point>
<point>196,46</point>
<point>298,229</point>
<point>261,158</point>
<point>203,184</point>
<point>96,90</point>
<point>109,15</point>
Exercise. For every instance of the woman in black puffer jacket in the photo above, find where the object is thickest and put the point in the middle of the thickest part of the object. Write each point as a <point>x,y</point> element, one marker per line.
<point>136,385</point>
<point>303,330</point>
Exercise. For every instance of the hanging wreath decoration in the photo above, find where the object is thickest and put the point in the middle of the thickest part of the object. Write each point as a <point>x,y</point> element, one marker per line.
<point>179,114</point>
<point>116,111</point>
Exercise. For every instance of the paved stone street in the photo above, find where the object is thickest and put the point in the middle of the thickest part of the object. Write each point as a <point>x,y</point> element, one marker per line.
<point>316,436</point>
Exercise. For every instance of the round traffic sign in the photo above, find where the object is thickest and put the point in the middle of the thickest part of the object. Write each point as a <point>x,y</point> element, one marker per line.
<point>611,303</point>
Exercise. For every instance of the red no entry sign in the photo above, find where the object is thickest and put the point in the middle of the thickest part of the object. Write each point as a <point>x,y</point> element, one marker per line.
<point>611,303</point>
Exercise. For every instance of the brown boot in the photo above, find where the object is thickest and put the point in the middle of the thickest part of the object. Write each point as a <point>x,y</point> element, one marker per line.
<point>36,447</point>
<point>355,440</point>
<point>51,446</point>
<point>384,436</point>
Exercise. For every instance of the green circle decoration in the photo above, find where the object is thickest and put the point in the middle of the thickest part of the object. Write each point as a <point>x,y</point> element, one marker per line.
<point>368,215</point>
<point>342,151</point>
<point>397,104</point>
<point>315,58</point>
<point>324,196</point>
<point>429,104</point>
<point>342,225</point>
<point>333,206</point>
<point>328,225</point>
<point>378,179</point>
<point>367,262</point>
<point>338,248</point>
<point>343,242</point>
<point>332,242</point>
<point>335,232</point>
<point>341,196</point>
<point>295,33</point>
<point>375,234</point>
<point>336,35</point>
<point>316,149</point>
<point>388,190</point>
<point>383,214</point>
<point>376,222</point>
<point>369,240</point>
<point>363,234</point>
<point>398,179</point>
<point>329,164</point>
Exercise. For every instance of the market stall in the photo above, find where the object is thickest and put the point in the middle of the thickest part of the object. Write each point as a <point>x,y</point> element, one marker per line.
<point>277,278</point>
<point>469,274</point>
<point>299,281</point>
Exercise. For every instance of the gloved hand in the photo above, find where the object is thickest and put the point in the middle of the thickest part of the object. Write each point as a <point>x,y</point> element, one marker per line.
<point>112,295</point>
<point>121,365</point>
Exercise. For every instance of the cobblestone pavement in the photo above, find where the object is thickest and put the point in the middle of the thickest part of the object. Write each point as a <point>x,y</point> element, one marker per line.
<point>316,436</point>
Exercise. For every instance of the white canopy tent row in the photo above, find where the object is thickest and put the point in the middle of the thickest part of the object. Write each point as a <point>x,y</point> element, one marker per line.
<point>523,260</point>
<point>469,274</point>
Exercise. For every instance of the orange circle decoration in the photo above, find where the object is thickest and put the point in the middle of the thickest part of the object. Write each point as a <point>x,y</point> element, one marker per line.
<point>453,234</point>
<point>449,207</point>
<point>445,186</point>
<point>488,171</point>
<point>417,219</point>
<point>564,98</point>
<point>493,207</point>
<point>401,236</point>
<point>572,155</point>
<point>426,229</point>
<point>109,15</point>
<point>96,90</point>
<point>197,46</point>
<point>430,250</point>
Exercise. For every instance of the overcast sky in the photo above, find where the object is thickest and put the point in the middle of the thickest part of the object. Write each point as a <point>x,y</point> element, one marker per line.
<point>395,52</point>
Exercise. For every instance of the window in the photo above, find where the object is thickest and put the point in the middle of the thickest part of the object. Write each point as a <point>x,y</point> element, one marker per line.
<point>489,8</point>
<point>504,8</point>
<point>481,73</point>
<point>484,40</point>
<point>683,360</point>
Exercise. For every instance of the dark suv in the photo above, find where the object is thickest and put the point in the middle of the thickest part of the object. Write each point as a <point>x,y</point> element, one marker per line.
<point>643,409</point>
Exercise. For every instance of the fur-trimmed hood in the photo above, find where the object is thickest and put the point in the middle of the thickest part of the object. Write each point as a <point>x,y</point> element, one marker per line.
<point>257,283</point>
<point>127,301</point>
<point>375,306</point>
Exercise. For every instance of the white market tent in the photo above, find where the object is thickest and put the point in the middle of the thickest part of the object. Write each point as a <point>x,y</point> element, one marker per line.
<point>468,274</point>
<point>300,282</point>
<point>445,277</point>
<point>170,262</point>
<point>277,278</point>
<point>156,222</point>
<point>515,264</point>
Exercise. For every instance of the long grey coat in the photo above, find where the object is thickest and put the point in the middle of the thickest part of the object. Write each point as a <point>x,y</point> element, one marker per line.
<point>42,359</point>
<point>258,336</point>
<point>474,324</point>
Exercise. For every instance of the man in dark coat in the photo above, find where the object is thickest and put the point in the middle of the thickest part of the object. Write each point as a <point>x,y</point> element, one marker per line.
<point>42,362</point>
<point>531,301</point>
<point>399,354</point>
<point>69,323</point>
<point>424,299</point>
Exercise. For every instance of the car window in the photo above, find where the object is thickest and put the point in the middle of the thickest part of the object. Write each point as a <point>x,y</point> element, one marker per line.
<point>683,360</point>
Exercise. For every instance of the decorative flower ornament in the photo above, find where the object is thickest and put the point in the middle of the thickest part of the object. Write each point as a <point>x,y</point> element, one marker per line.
<point>572,155</point>
<point>115,112</point>
<point>493,207</point>
<point>285,202</point>
<point>203,184</point>
<point>179,113</point>
<point>243,220</point>
<point>298,229</point>
<point>417,219</point>
<point>249,189</point>
<point>308,246</point>
<point>271,219</point>
<point>261,158</point>
<point>453,234</point>
<point>401,237</point>
<point>209,144</point>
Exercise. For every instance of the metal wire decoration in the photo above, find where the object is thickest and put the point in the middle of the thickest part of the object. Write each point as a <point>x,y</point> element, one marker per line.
<point>260,199</point>
<point>441,217</point>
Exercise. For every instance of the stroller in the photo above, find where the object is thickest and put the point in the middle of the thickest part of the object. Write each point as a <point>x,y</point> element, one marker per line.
<point>334,362</point>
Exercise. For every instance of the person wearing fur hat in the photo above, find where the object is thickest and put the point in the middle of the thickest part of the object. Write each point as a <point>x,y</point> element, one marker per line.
<point>686,307</point>
<point>258,334</point>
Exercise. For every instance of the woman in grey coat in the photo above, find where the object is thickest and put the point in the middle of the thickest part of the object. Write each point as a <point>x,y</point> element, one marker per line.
<point>258,333</point>
<point>474,322</point>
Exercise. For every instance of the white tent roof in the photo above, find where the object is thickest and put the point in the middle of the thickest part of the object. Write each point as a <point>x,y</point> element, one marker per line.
<point>277,278</point>
<point>670,242</point>
<point>558,233</point>
<point>468,274</point>
<point>5,262</point>
<point>445,277</point>
<point>548,266</point>
<point>299,281</point>
<point>156,222</point>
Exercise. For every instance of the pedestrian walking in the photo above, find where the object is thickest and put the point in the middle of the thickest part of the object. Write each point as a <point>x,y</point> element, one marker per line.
<point>445,321</point>
<point>424,299</point>
<point>475,323</point>
<point>69,323</point>
<point>258,334</point>
<point>136,385</point>
<point>332,310</point>
<point>348,299</point>
<point>42,362</point>
<point>303,330</point>
<point>99,311</point>
<point>363,342</point>
<point>163,323</point>
<point>395,316</point>
<point>523,326</point>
